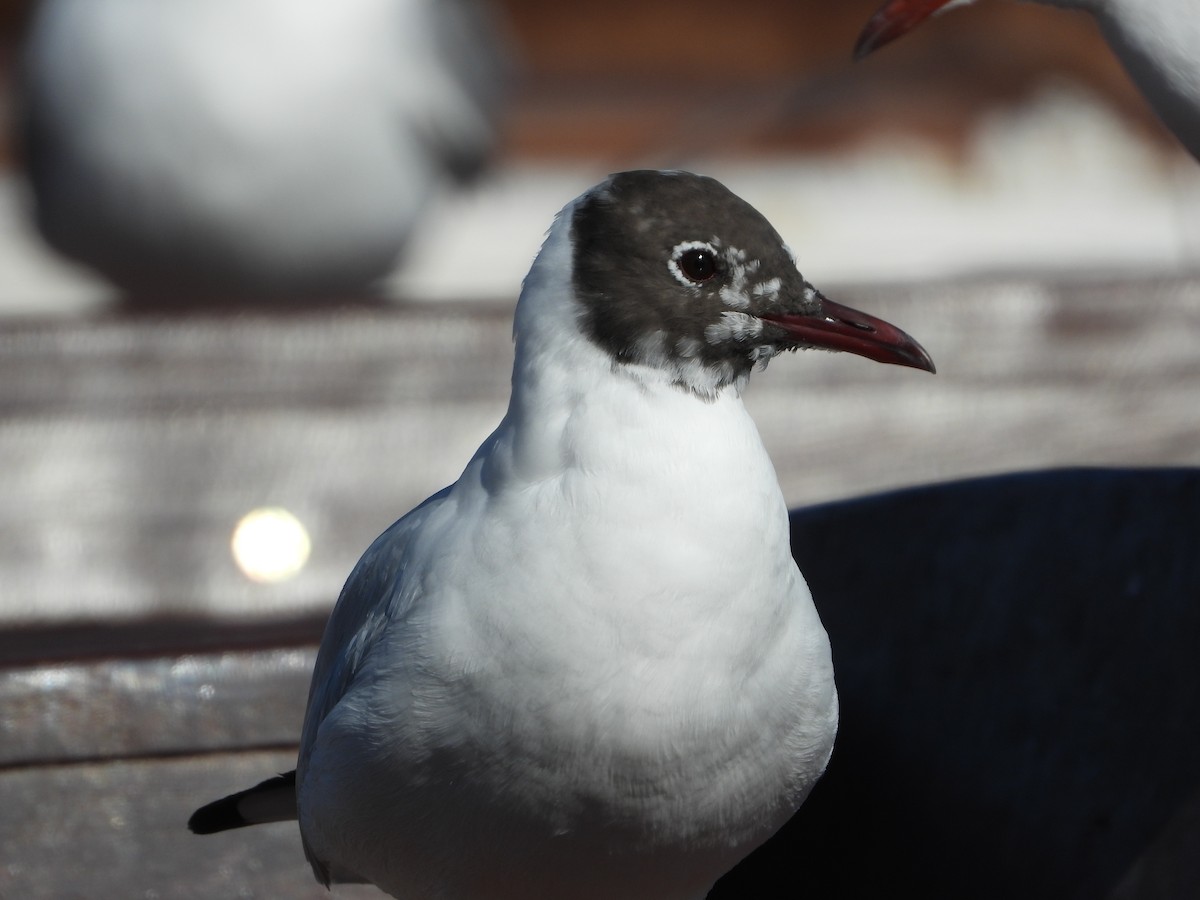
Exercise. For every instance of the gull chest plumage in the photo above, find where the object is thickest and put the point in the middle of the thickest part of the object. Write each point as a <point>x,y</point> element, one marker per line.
<point>590,667</point>
<point>1156,40</point>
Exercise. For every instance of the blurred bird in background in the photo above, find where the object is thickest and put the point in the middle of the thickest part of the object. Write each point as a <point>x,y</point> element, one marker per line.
<point>237,150</point>
<point>1156,41</point>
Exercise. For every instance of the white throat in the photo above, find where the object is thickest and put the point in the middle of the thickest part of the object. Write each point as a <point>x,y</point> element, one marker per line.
<point>563,382</point>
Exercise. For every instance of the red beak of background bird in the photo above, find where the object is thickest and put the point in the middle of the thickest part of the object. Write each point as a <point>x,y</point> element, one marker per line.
<point>895,19</point>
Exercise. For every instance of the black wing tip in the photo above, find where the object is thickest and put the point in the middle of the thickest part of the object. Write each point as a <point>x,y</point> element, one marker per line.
<point>220,815</point>
<point>225,814</point>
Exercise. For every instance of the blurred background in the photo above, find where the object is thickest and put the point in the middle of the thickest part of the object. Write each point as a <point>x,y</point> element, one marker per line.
<point>1003,141</point>
<point>190,468</point>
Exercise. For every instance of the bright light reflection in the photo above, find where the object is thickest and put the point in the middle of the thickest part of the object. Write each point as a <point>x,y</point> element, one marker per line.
<point>270,544</point>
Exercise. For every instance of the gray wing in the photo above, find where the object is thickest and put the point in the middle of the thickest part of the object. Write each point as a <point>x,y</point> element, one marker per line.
<point>373,596</point>
<point>365,607</point>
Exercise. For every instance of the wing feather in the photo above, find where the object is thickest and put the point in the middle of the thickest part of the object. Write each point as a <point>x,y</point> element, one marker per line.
<point>373,596</point>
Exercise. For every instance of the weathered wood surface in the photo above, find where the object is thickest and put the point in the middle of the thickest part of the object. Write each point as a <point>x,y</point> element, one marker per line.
<point>116,829</point>
<point>141,674</point>
<point>129,449</point>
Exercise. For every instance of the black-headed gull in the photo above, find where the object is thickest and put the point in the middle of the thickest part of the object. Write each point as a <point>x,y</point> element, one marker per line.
<point>245,148</point>
<point>1156,41</point>
<point>590,667</point>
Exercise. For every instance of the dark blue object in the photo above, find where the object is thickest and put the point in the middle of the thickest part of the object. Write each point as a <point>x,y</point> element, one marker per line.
<point>1018,660</point>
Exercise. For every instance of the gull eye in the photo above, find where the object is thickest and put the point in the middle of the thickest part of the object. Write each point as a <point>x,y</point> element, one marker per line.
<point>698,265</point>
<point>694,263</point>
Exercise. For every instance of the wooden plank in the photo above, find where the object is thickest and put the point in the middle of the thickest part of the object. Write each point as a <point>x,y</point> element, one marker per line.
<point>112,709</point>
<point>119,830</point>
<point>130,448</point>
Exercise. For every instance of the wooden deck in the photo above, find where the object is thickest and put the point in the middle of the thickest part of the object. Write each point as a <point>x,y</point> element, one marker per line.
<point>132,446</point>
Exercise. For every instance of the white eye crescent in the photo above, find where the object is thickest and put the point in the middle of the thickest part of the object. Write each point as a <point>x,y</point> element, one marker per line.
<point>694,262</point>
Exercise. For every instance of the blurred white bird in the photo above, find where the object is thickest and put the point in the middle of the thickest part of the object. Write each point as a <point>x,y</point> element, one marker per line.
<point>589,669</point>
<point>1158,42</point>
<point>204,148</point>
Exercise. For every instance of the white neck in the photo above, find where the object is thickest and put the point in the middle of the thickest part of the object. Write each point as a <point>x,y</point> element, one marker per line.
<point>565,387</point>
<point>664,458</point>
